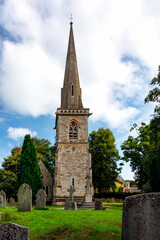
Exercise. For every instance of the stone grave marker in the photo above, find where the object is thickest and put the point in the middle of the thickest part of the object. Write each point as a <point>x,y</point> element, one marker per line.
<point>10,231</point>
<point>88,195</point>
<point>41,199</point>
<point>98,205</point>
<point>2,199</point>
<point>24,198</point>
<point>12,202</point>
<point>141,217</point>
<point>71,205</point>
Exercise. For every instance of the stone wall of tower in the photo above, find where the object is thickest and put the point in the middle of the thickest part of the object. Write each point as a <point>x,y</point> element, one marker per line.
<point>63,124</point>
<point>73,159</point>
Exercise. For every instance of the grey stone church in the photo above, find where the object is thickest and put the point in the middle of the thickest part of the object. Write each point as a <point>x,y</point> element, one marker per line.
<point>73,158</point>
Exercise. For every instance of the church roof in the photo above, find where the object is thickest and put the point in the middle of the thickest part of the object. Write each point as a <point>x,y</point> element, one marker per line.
<point>71,91</point>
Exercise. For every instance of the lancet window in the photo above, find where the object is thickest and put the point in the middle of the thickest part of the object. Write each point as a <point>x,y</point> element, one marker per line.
<point>73,133</point>
<point>72,90</point>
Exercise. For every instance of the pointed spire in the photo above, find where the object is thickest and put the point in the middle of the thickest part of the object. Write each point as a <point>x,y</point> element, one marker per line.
<point>71,91</point>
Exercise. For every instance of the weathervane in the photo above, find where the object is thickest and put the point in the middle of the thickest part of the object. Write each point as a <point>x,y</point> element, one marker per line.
<point>71,18</point>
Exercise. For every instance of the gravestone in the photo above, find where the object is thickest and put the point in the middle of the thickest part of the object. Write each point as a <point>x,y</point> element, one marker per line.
<point>41,199</point>
<point>98,205</point>
<point>71,205</point>
<point>2,199</point>
<point>24,198</point>
<point>12,202</point>
<point>10,231</point>
<point>141,217</point>
<point>88,195</point>
<point>0,216</point>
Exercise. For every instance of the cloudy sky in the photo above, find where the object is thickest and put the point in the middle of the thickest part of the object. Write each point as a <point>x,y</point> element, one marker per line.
<point>117,45</point>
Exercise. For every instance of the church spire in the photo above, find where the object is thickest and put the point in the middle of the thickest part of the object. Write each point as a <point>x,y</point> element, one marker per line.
<point>71,91</point>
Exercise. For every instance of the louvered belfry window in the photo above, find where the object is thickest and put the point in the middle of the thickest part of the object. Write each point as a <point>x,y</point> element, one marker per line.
<point>73,131</point>
<point>72,90</point>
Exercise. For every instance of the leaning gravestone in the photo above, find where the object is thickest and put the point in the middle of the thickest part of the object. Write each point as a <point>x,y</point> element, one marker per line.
<point>98,205</point>
<point>141,217</point>
<point>71,205</point>
<point>41,199</point>
<point>24,198</point>
<point>12,202</point>
<point>13,231</point>
<point>2,199</point>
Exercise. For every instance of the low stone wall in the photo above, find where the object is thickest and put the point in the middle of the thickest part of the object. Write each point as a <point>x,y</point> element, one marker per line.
<point>109,200</point>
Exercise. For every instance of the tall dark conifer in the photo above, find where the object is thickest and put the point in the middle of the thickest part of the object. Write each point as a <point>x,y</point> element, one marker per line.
<point>29,168</point>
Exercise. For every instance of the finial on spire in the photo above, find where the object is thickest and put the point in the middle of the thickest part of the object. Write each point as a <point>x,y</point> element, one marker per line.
<point>71,19</point>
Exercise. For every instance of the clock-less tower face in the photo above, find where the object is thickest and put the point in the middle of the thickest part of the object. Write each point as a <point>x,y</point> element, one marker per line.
<point>73,159</point>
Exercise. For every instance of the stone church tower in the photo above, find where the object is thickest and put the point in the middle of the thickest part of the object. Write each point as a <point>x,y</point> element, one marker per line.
<point>73,159</point>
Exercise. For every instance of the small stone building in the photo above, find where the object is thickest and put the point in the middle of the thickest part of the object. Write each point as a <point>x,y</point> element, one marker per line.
<point>119,182</point>
<point>46,179</point>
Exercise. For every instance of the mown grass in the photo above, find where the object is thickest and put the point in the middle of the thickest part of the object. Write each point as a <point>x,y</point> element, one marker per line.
<point>68,225</point>
<point>120,205</point>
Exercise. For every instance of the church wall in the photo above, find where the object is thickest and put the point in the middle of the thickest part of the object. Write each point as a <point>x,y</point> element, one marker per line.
<point>72,164</point>
<point>73,159</point>
<point>63,124</point>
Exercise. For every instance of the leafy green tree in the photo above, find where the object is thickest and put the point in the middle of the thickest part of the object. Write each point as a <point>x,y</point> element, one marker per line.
<point>29,168</point>
<point>8,182</point>
<point>154,154</point>
<point>135,151</point>
<point>45,152</point>
<point>104,158</point>
<point>9,173</point>
<point>154,94</point>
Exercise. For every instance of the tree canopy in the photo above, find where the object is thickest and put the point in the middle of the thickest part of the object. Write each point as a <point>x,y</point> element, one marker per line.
<point>104,158</point>
<point>135,151</point>
<point>11,165</point>
<point>154,154</point>
<point>143,151</point>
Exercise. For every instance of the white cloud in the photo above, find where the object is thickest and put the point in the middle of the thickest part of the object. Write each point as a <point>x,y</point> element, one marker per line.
<point>105,32</point>
<point>16,133</point>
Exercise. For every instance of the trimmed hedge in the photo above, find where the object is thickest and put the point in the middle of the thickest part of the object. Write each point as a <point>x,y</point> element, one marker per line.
<point>117,195</point>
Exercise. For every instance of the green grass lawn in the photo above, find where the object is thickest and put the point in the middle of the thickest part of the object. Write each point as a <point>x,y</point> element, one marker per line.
<point>119,205</point>
<point>60,224</point>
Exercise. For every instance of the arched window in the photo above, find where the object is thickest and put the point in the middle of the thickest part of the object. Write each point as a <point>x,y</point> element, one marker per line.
<point>72,90</point>
<point>73,130</point>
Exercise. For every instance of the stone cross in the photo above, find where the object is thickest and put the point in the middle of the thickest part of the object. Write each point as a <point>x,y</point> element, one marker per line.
<point>71,190</point>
